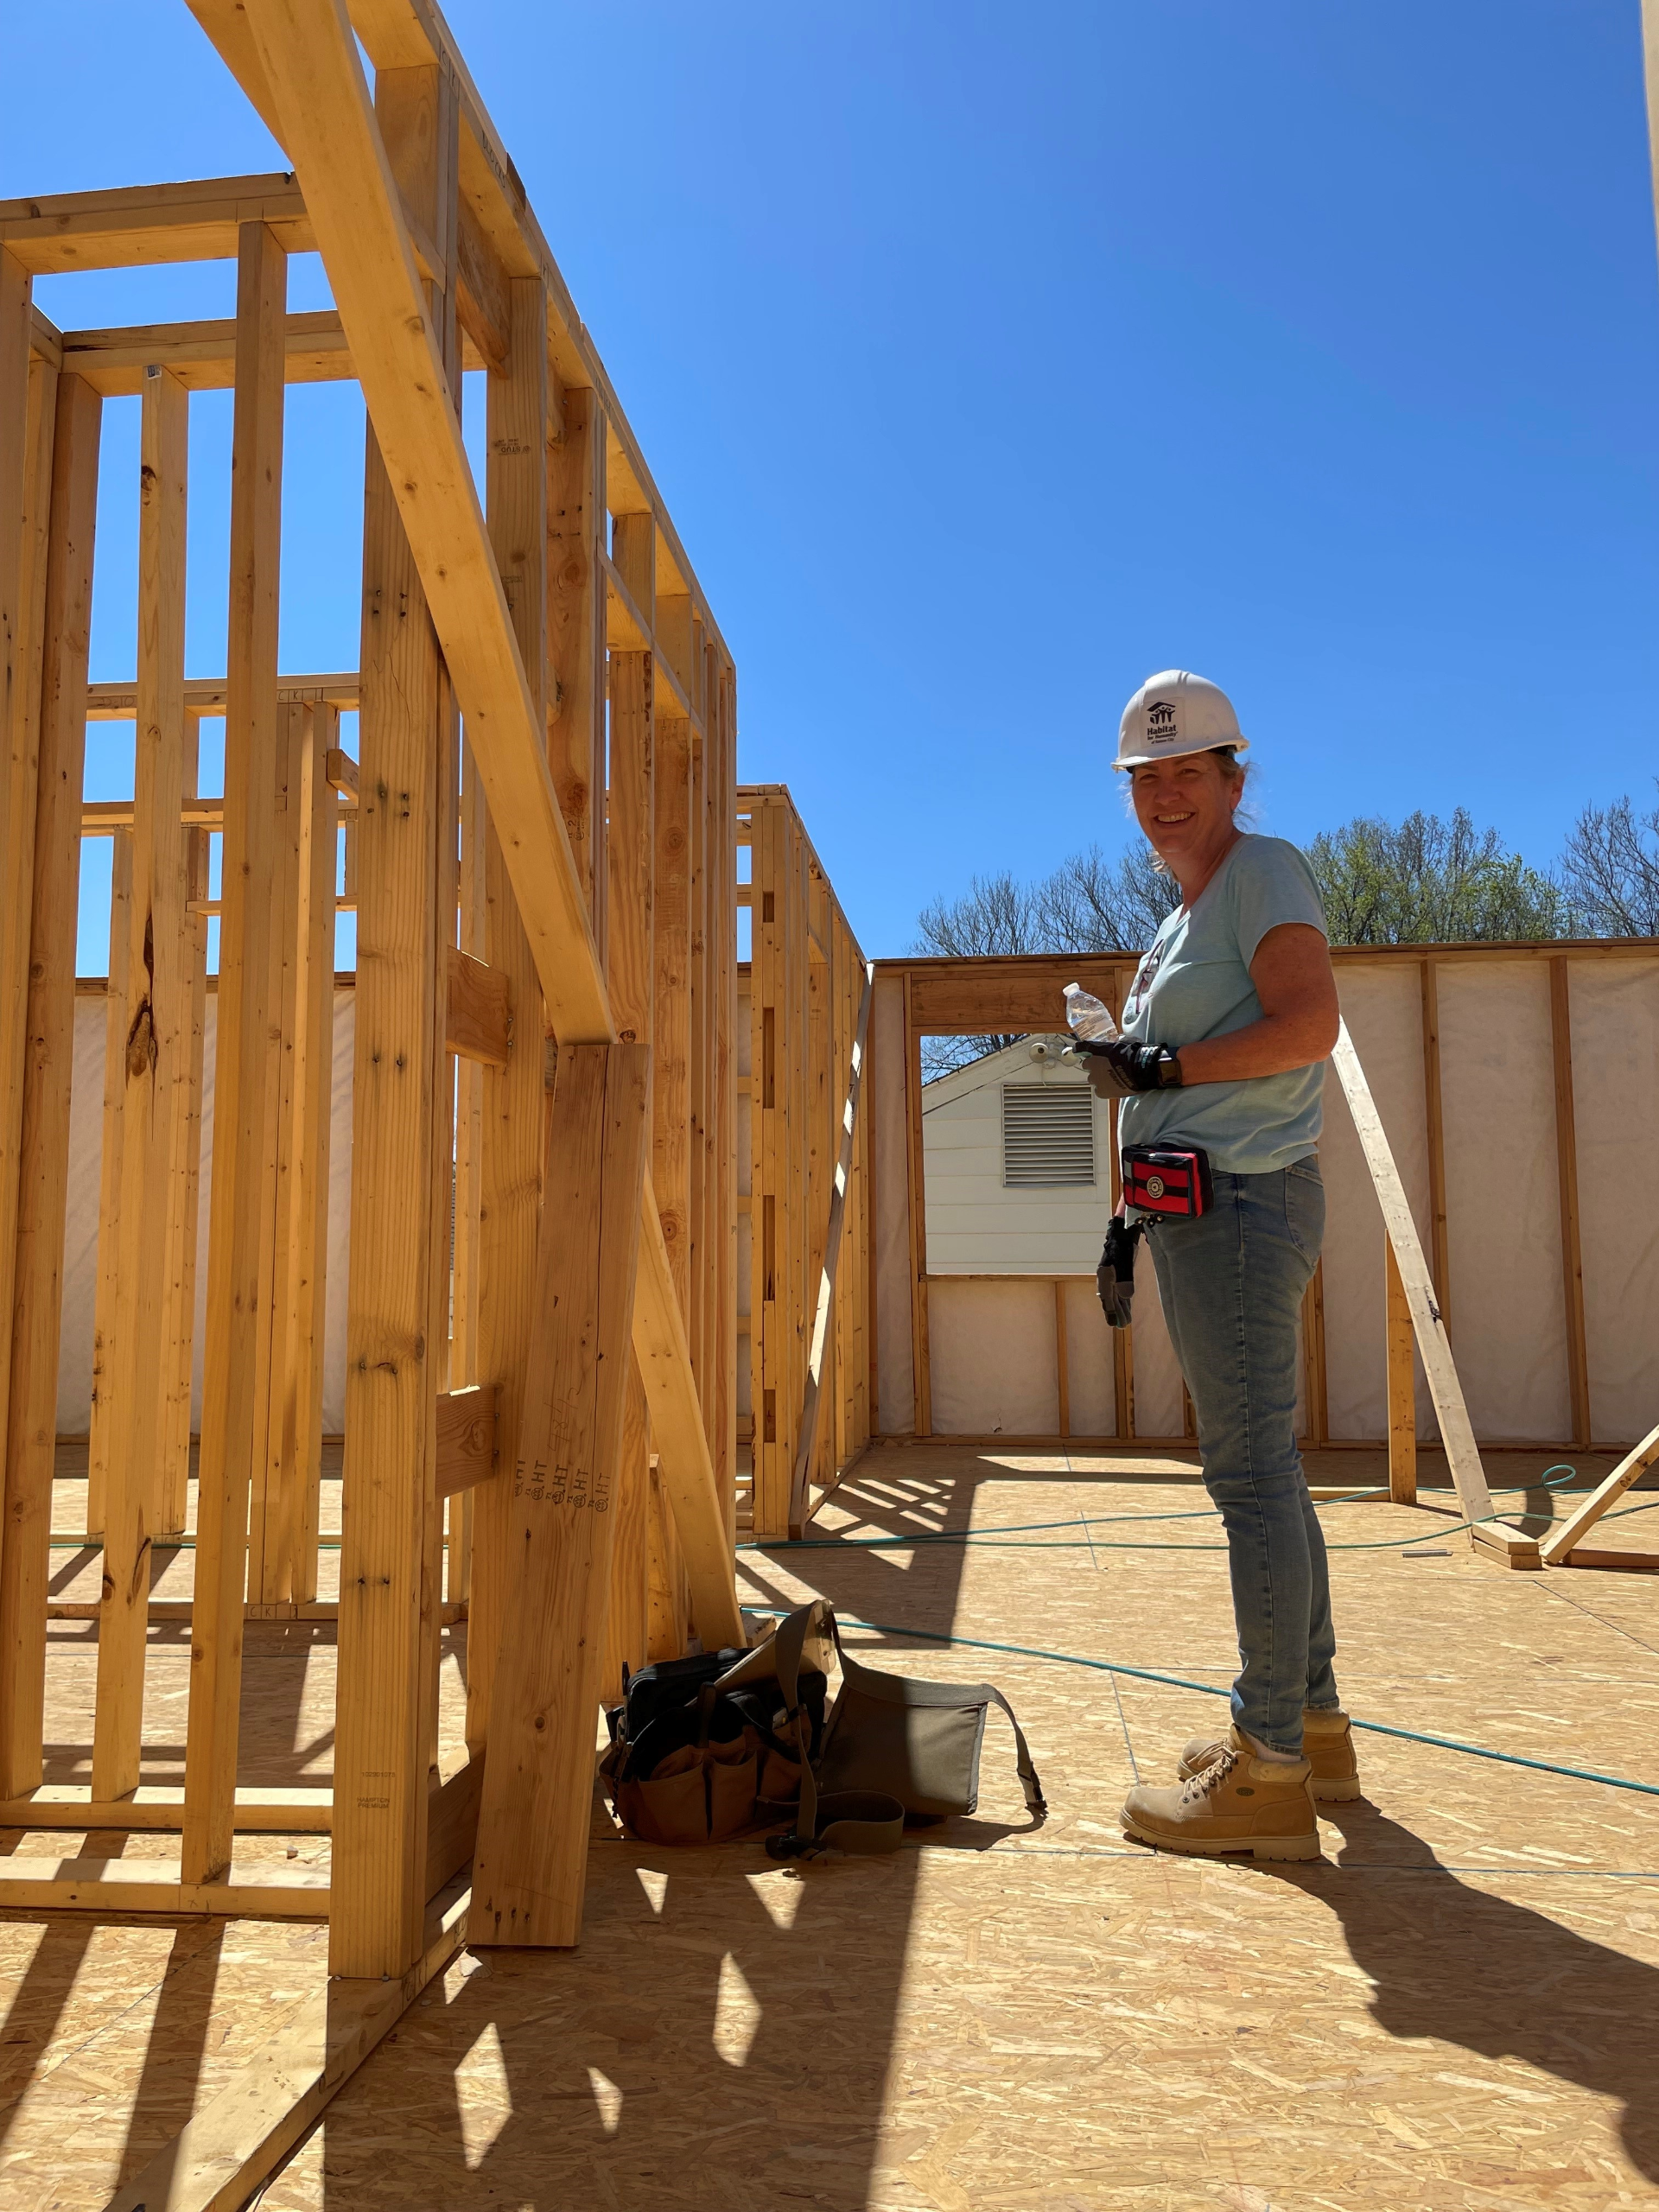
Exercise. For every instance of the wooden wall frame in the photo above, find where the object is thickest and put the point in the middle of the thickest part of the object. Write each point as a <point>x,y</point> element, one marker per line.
<point>809,1200</point>
<point>503,621</point>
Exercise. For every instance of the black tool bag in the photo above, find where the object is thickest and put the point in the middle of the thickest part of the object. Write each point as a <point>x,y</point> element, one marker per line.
<point>692,1761</point>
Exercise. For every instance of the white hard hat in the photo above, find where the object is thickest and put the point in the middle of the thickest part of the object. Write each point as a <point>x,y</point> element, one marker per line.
<point>1173,713</point>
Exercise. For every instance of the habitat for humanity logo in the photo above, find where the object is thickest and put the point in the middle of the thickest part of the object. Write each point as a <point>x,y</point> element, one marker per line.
<point>1161,718</point>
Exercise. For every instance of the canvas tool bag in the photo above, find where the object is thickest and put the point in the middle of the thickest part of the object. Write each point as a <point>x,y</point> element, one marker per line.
<point>891,1748</point>
<point>696,1759</point>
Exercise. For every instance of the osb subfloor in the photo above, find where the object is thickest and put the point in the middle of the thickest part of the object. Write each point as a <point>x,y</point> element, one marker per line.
<point>1455,2008</point>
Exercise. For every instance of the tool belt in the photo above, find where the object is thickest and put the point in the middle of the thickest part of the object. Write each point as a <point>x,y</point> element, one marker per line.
<point>1172,1180</point>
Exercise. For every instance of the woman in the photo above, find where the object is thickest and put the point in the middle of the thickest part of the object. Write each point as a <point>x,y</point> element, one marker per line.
<point>1232,1016</point>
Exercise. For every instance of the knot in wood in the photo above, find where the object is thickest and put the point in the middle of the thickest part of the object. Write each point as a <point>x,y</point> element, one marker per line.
<point>141,1043</point>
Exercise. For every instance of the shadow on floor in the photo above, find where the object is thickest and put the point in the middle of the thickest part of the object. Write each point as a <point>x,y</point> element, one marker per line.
<point>720,2040</point>
<point>1455,1964</point>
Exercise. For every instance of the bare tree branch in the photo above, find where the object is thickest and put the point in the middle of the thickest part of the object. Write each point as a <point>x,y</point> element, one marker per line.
<point>1611,868</point>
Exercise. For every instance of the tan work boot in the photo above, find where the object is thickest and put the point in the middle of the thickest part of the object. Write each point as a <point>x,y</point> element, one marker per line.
<point>1236,1802</point>
<point>1327,1745</point>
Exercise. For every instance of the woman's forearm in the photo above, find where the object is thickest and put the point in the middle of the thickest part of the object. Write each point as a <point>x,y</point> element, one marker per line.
<point>1272,1046</point>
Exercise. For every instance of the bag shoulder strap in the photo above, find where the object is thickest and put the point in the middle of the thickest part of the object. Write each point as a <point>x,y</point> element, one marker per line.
<point>861,1820</point>
<point>1035,1802</point>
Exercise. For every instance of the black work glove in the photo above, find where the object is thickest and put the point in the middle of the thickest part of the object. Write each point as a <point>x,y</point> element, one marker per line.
<point>1115,1276</point>
<point>1118,1069</point>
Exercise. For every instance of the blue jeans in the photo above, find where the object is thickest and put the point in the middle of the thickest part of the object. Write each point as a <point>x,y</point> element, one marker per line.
<point>1231,1284</point>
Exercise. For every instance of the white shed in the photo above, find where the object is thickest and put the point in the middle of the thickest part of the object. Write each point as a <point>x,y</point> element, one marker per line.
<point>1017,1158</point>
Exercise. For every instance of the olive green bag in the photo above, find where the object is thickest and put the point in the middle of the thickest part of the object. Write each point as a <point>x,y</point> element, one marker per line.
<point>894,1747</point>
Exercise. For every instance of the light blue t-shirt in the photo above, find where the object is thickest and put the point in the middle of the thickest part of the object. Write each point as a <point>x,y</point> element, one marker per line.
<point>1195,983</point>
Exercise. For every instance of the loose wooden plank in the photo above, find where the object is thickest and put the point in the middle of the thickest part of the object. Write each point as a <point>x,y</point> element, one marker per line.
<point>154,1057</point>
<point>1558,1547</point>
<point>466,1438</point>
<point>478,1015</point>
<point>1401,1385</point>
<point>452,1825</point>
<point>43,1136</point>
<point>688,1472</point>
<point>532,1836</point>
<point>240,2136</point>
<point>240,1242</point>
<point>1456,1435</point>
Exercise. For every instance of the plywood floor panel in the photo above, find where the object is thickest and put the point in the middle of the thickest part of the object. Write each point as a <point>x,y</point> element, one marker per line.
<point>1453,2009</point>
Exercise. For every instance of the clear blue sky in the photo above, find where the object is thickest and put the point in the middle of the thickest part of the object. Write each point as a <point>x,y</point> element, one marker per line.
<point>992,360</point>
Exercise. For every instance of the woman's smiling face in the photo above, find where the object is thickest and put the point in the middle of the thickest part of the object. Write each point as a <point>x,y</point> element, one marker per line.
<point>1185,807</point>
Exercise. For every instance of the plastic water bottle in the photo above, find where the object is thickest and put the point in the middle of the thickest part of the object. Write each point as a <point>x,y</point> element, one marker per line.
<point>1087,1018</point>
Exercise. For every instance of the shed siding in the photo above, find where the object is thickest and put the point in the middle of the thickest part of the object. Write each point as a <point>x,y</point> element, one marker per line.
<point>975,1226</point>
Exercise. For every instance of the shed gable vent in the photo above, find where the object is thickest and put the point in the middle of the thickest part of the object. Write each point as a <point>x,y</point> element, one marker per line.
<point>1048,1136</point>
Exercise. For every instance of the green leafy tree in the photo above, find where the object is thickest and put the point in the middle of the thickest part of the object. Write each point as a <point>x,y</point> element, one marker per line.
<point>1429,881</point>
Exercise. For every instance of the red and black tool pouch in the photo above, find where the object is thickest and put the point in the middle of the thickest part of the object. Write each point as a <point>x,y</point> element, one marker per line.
<point>1169,1179</point>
